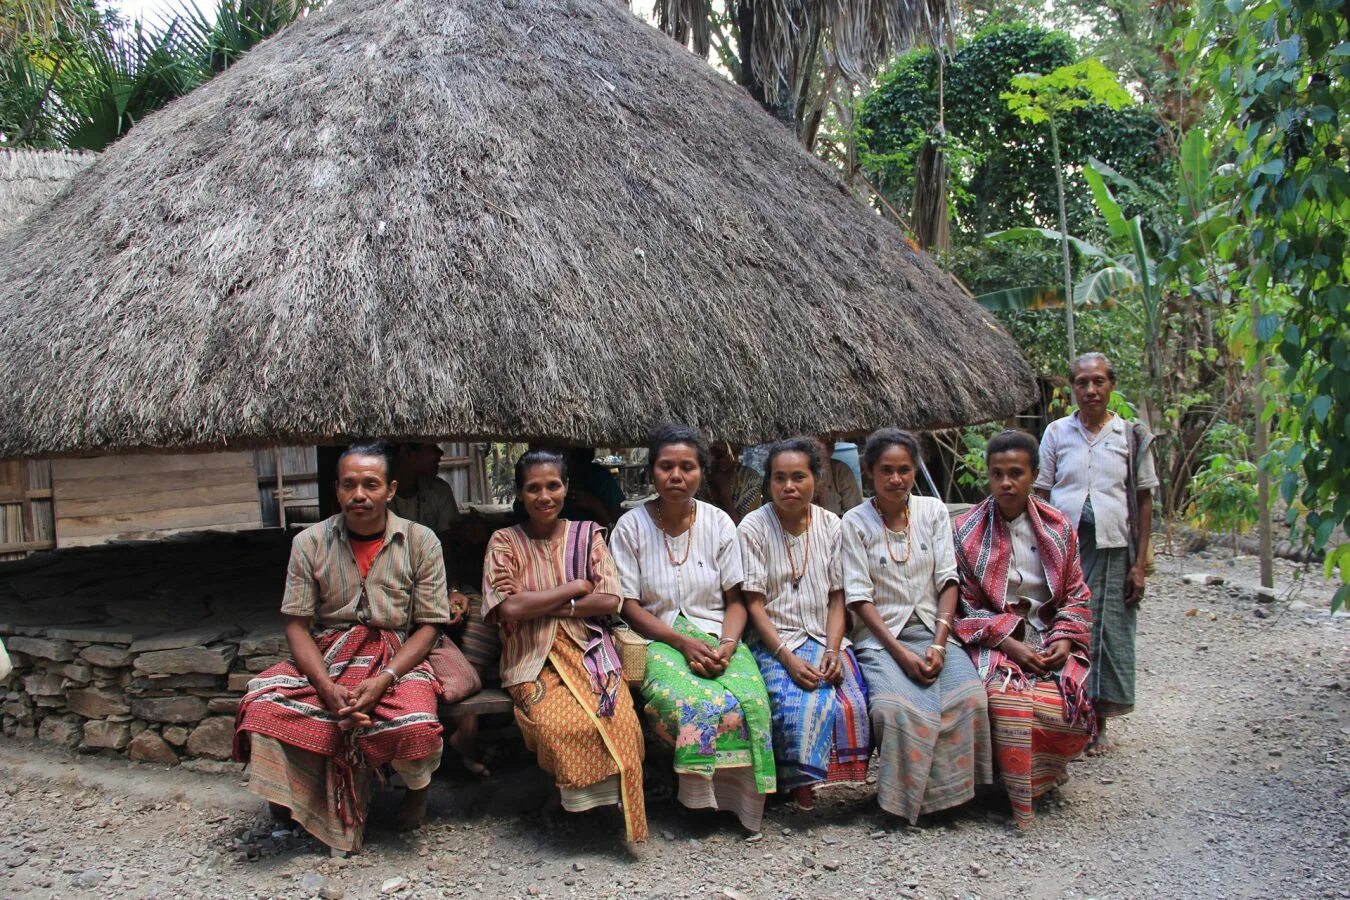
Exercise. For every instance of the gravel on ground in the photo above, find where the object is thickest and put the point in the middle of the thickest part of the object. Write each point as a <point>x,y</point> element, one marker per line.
<point>1230,781</point>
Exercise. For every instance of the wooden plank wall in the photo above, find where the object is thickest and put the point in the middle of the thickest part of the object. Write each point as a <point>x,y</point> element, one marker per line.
<point>300,482</point>
<point>26,522</point>
<point>107,498</point>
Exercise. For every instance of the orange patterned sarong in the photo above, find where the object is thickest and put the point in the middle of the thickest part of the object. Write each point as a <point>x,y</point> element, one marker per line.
<point>579,748</point>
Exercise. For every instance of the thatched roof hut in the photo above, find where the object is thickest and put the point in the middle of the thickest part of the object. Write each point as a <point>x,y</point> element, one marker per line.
<point>29,178</point>
<point>452,217</point>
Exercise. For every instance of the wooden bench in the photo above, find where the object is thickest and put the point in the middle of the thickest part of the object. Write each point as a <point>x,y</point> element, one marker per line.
<point>485,702</point>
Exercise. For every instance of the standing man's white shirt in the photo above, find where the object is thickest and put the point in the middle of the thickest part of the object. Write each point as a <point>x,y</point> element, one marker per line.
<point>1076,465</point>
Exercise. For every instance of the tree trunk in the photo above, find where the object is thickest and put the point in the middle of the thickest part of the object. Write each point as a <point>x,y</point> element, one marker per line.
<point>1262,474</point>
<point>784,110</point>
<point>1064,244</point>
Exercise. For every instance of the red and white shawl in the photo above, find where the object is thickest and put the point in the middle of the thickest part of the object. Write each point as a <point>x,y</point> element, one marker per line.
<point>985,618</point>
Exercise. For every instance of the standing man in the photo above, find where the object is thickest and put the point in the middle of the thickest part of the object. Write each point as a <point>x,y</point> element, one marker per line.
<point>1097,469</point>
<point>365,599</point>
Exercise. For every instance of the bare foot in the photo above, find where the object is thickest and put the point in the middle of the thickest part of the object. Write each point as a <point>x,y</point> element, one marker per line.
<point>804,797</point>
<point>464,741</point>
<point>412,810</point>
<point>1100,746</point>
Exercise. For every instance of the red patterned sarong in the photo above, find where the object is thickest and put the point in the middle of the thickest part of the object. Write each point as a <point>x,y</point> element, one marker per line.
<point>282,704</point>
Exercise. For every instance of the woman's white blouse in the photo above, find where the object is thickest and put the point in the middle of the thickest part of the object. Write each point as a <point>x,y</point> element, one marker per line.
<point>694,587</point>
<point>800,612</point>
<point>898,589</point>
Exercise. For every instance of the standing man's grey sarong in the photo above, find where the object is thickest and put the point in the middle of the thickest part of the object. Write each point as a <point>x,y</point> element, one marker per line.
<point>1111,676</point>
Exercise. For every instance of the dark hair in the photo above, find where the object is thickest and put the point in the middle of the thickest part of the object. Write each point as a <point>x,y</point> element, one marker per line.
<point>1007,441</point>
<point>539,458</point>
<point>881,440</point>
<point>1085,358</point>
<point>667,434</point>
<point>382,449</point>
<point>807,446</point>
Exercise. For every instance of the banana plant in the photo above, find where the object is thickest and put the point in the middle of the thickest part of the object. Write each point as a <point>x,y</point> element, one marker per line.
<point>1127,277</point>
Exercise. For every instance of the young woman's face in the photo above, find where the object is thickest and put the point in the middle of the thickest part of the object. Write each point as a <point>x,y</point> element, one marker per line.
<point>676,473</point>
<point>1010,478</point>
<point>543,493</point>
<point>791,484</point>
<point>893,474</point>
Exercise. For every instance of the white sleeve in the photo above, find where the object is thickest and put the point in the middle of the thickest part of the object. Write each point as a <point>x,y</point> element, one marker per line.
<point>625,547</point>
<point>729,566</point>
<point>858,586</point>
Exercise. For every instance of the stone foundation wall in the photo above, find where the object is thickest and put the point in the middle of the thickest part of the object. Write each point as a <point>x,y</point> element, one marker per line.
<point>166,698</point>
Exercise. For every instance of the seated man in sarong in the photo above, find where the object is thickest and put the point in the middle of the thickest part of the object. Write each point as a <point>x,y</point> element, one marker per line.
<point>365,596</point>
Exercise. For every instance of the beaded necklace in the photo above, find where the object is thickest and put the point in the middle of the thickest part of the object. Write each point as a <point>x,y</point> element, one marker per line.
<point>688,535</point>
<point>806,555</point>
<point>903,532</point>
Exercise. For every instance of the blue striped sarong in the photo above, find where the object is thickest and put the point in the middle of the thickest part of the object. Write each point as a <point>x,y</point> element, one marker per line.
<point>820,735</point>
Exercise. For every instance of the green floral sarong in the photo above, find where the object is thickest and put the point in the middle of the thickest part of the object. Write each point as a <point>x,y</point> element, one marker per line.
<point>713,724</point>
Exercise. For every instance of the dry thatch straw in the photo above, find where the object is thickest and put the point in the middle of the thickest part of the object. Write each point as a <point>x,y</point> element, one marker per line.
<point>525,218</point>
<point>29,178</point>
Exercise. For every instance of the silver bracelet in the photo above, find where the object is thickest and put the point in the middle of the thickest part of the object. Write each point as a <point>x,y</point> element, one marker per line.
<point>573,613</point>
<point>392,673</point>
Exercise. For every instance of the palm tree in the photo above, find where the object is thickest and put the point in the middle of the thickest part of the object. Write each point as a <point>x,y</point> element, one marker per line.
<point>794,55</point>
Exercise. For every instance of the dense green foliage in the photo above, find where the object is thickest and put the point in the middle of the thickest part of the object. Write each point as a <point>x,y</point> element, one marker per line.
<point>89,78</point>
<point>1280,72</point>
<point>1002,177</point>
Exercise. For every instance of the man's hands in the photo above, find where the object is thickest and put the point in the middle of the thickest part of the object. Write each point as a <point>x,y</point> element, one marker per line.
<point>352,706</point>
<point>1134,584</point>
<point>459,607</point>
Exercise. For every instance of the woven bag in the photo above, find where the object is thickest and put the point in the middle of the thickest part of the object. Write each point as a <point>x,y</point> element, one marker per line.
<point>632,653</point>
<point>457,676</point>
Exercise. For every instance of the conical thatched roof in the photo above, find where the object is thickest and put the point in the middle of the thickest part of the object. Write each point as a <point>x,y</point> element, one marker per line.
<point>29,178</point>
<point>475,218</point>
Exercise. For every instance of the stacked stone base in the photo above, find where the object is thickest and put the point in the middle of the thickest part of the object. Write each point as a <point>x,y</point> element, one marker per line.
<point>167,698</point>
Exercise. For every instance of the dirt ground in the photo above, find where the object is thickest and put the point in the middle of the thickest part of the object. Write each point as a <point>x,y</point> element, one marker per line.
<point>1230,781</point>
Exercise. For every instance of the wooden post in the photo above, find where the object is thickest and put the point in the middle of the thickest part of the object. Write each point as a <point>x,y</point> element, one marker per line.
<point>281,488</point>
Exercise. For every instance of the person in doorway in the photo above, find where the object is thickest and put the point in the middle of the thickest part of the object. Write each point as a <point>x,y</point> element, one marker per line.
<point>1097,469</point>
<point>731,485</point>
<point>680,571</point>
<point>550,585</point>
<point>365,600</point>
<point>928,706</point>
<point>1025,621</point>
<point>838,489</point>
<point>423,496</point>
<point>794,593</point>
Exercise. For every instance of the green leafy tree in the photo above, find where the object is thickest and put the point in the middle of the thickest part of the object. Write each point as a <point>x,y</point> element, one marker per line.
<point>1000,175</point>
<point>1280,72</point>
<point>1049,99</point>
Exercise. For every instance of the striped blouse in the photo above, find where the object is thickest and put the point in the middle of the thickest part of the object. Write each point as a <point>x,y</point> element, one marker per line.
<point>799,612</point>
<point>1077,466</point>
<point>538,564</point>
<point>404,588</point>
<point>694,587</point>
<point>904,588</point>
